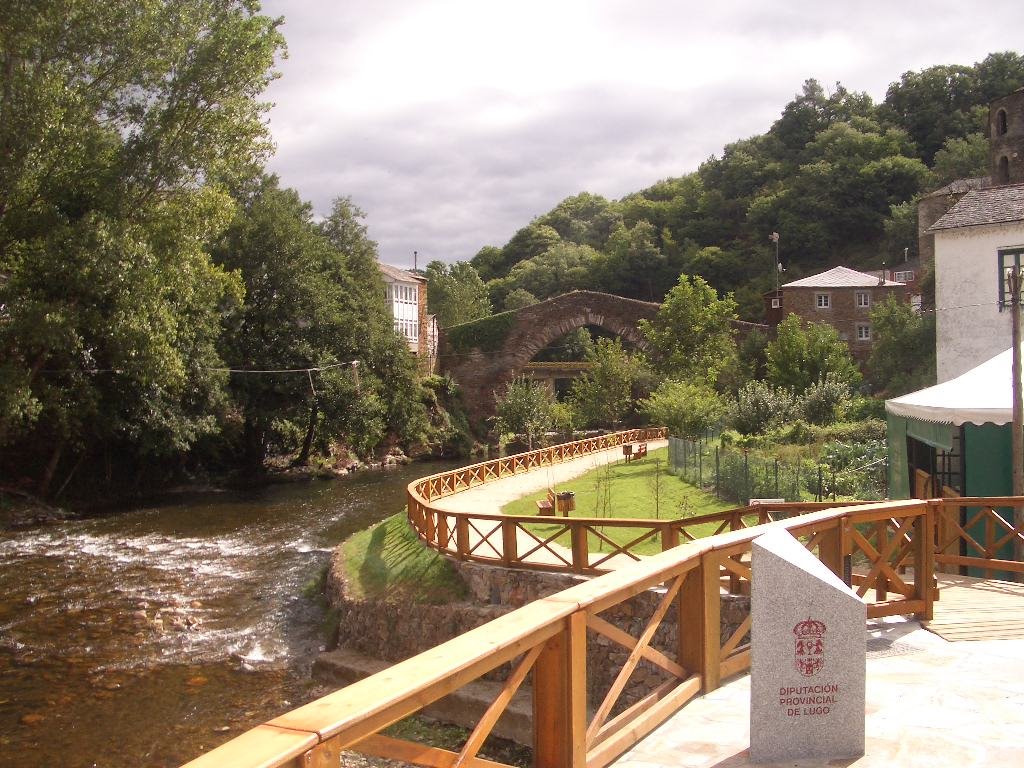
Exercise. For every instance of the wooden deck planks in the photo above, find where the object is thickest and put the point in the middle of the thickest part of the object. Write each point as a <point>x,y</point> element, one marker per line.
<point>978,609</point>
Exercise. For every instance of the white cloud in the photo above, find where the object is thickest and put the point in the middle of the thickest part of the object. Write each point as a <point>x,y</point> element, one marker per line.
<point>454,122</point>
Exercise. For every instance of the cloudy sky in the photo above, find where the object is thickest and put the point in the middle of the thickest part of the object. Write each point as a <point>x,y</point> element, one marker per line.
<point>452,123</point>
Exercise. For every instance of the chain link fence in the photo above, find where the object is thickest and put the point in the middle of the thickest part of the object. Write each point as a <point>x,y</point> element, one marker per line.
<point>857,471</point>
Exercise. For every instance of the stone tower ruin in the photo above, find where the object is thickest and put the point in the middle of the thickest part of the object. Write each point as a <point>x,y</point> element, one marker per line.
<point>1006,139</point>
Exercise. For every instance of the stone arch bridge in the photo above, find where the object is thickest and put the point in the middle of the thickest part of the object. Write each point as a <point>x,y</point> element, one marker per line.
<point>482,356</point>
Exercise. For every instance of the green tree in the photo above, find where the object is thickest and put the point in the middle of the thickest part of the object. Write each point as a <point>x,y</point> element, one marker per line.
<point>387,370</point>
<point>634,264</point>
<point>933,105</point>
<point>455,293</point>
<point>120,121</point>
<point>691,336</point>
<point>961,158</point>
<point>577,344</point>
<point>804,353</point>
<point>901,232</point>
<point>561,268</point>
<point>489,263</point>
<point>760,406</point>
<point>292,317</point>
<point>532,240</point>
<point>525,408</point>
<point>604,395</point>
<point>688,409</point>
<point>903,353</point>
<point>580,219</point>
<point>519,298</point>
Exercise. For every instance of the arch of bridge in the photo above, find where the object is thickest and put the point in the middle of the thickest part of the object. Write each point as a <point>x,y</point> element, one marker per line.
<point>480,374</point>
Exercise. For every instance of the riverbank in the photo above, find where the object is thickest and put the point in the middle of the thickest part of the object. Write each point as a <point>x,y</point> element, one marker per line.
<point>20,509</point>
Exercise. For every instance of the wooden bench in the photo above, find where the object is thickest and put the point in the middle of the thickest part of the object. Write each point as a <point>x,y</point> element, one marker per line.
<point>547,506</point>
<point>641,451</point>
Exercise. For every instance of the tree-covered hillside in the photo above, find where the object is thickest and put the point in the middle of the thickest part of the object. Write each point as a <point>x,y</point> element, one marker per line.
<point>836,176</point>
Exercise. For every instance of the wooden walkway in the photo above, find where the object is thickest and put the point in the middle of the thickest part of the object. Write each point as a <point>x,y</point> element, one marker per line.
<point>977,609</point>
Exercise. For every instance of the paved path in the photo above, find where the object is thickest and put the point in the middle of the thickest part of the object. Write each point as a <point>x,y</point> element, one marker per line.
<point>488,499</point>
<point>930,703</point>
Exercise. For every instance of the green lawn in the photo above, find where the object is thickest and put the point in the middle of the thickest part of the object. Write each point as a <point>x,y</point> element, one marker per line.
<point>388,562</point>
<point>622,490</point>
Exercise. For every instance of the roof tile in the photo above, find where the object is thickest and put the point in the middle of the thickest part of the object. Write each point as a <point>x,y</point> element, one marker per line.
<point>992,205</point>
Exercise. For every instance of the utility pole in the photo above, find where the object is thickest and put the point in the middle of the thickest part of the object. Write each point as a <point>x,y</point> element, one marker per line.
<point>1013,279</point>
<point>774,237</point>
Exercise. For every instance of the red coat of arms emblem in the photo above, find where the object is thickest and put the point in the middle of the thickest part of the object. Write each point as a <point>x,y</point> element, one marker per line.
<point>810,647</point>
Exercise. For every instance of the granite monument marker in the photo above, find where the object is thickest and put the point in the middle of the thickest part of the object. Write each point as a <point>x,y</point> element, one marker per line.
<point>808,645</point>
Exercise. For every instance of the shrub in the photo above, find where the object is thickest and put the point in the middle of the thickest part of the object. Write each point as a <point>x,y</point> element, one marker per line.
<point>760,406</point>
<point>824,401</point>
<point>686,408</point>
<point>864,408</point>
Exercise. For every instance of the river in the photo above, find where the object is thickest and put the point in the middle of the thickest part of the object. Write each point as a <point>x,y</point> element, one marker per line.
<point>147,636</point>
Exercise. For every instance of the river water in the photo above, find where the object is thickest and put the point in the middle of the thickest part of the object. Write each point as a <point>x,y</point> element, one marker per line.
<point>147,636</point>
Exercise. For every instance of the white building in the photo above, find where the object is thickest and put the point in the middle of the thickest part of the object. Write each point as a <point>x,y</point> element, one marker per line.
<point>976,241</point>
<point>407,299</point>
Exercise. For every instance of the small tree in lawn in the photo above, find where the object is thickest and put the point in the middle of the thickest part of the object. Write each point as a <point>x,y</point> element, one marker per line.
<point>525,408</point>
<point>604,394</point>
<point>655,483</point>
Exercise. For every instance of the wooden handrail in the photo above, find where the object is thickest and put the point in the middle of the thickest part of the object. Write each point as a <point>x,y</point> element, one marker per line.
<point>548,636</point>
<point>546,639</point>
<point>496,535</point>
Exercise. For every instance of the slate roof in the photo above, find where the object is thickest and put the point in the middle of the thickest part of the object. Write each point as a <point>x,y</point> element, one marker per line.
<point>992,205</point>
<point>960,186</point>
<point>839,277</point>
<point>399,274</point>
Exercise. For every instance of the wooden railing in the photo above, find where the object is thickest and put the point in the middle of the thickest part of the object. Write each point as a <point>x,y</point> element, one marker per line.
<point>457,480</point>
<point>512,541</point>
<point>969,533</point>
<point>886,551</point>
<point>546,641</point>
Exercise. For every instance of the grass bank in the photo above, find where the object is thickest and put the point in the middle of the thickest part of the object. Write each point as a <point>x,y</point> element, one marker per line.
<point>642,489</point>
<point>387,562</point>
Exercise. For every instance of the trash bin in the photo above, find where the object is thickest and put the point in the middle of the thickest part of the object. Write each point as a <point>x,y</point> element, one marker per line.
<point>566,501</point>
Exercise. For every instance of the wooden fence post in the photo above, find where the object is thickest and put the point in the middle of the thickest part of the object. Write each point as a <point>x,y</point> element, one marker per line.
<point>830,549</point>
<point>700,633</point>
<point>690,621</point>
<point>509,542</point>
<point>461,537</point>
<point>327,754</point>
<point>669,536</point>
<point>924,559</point>
<point>428,525</point>
<point>881,580</point>
<point>580,548</point>
<point>559,698</point>
<point>442,531</point>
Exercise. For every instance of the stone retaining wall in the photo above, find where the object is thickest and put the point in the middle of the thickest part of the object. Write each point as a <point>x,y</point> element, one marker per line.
<point>396,632</point>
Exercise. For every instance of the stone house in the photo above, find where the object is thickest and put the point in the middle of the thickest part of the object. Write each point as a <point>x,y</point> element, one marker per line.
<point>407,300</point>
<point>840,297</point>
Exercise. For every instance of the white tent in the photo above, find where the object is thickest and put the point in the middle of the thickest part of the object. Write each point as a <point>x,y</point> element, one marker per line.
<point>983,395</point>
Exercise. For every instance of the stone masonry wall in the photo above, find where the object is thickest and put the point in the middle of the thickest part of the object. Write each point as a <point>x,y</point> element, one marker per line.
<point>396,632</point>
<point>844,315</point>
<point>1007,146</point>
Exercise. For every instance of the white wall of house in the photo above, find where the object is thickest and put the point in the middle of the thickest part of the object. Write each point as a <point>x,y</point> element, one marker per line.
<point>405,308</point>
<point>969,326</point>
